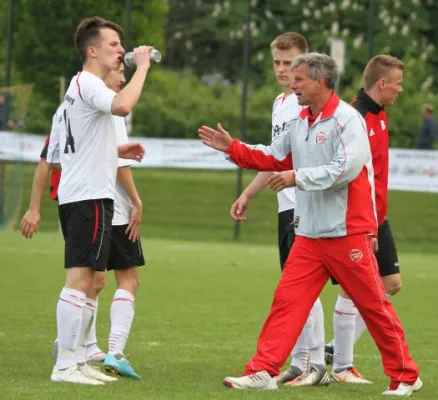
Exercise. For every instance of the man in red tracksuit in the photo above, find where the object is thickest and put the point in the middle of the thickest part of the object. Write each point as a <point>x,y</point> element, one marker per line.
<point>327,156</point>
<point>382,82</point>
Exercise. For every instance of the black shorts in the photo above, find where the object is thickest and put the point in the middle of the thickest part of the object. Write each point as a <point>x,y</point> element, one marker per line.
<point>286,234</point>
<point>387,258</point>
<point>86,226</point>
<point>124,253</point>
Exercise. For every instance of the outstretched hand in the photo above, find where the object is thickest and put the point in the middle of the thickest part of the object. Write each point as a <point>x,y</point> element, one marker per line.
<point>218,139</point>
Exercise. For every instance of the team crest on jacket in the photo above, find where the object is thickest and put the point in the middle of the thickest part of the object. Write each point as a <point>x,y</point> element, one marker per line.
<point>321,137</point>
<point>356,255</point>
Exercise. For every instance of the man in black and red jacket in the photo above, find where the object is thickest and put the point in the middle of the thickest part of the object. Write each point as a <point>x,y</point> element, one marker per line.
<point>382,81</point>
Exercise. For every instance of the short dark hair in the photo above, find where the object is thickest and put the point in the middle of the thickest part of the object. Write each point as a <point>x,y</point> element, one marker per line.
<point>87,32</point>
<point>380,67</point>
<point>290,40</point>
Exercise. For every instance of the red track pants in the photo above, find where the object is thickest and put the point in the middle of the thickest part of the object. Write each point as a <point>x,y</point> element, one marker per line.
<point>350,260</point>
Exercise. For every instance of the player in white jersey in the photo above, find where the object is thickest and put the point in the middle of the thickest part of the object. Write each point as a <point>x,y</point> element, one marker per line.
<point>307,366</point>
<point>88,157</point>
<point>125,253</point>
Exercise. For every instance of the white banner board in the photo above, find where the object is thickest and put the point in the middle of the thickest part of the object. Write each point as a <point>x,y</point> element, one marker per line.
<point>412,170</point>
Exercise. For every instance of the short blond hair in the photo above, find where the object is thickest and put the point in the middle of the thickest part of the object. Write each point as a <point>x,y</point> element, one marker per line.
<point>290,40</point>
<point>380,67</point>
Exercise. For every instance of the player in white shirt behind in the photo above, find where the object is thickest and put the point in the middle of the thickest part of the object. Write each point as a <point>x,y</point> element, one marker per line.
<point>125,253</point>
<point>89,157</point>
<point>307,367</point>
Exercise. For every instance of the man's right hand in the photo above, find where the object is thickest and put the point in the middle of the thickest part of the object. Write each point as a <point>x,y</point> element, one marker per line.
<point>30,223</point>
<point>239,207</point>
<point>142,57</point>
<point>218,139</point>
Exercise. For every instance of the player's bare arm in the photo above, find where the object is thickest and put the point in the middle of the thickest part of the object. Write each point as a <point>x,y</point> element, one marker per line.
<point>124,176</point>
<point>128,97</point>
<point>239,207</point>
<point>31,220</point>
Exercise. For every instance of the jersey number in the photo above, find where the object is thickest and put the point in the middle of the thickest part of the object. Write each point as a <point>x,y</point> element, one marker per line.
<point>70,142</point>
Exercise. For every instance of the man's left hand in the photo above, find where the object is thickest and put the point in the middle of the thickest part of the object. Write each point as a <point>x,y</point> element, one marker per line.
<point>133,229</point>
<point>132,151</point>
<point>281,180</point>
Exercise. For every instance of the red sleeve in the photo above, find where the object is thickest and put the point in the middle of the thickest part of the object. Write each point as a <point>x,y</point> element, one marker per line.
<point>376,141</point>
<point>45,148</point>
<point>258,158</point>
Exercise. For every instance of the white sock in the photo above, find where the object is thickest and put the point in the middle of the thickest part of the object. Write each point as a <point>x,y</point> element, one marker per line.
<point>87,320</point>
<point>361,327</point>
<point>300,352</point>
<point>316,336</point>
<point>122,315</point>
<point>69,320</point>
<point>92,338</point>
<point>344,319</point>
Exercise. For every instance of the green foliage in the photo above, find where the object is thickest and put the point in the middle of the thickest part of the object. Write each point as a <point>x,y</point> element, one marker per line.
<point>199,80</point>
<point>44,49</point>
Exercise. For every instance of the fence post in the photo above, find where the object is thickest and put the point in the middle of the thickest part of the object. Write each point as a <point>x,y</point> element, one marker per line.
<point>246,54</point>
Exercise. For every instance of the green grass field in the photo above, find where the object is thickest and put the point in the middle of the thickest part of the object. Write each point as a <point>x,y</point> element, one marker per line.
<point>198,313</point>
<point>194,205</point>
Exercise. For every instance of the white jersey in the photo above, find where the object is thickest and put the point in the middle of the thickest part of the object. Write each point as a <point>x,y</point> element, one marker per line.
<point>122,202</point>
<point>283,110</point>
<point>88,149</point>
<point>58,130</point>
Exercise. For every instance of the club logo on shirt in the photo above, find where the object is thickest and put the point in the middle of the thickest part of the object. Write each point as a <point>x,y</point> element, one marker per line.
<point>321,137</point>
<point>356,255</point>
<point>372,133</point>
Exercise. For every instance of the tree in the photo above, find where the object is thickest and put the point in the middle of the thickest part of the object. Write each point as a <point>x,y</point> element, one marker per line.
<point>45,51</point>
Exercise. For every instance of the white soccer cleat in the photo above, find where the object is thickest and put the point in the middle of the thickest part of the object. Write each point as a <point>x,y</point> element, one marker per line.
<point>257,381</point>
<point>73,375</point>
<point>403,389</point>
<point>349,375</point>
<point>94,353</point>
<point>316,376</point>
<point>418,385</point>
<point>94,373</point>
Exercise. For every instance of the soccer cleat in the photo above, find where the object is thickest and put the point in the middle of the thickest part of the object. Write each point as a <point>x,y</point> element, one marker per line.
<point>120,366</point>
<point>289,375</point>
<point>418,385</point>
<point>94,373</point>
<point>328,354</point>
<point>403,389</point>
<point>316,376</point>
<point>258,381</point>
<point>349,375</point>
<point>94,353</point>
<point>73,375</point>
